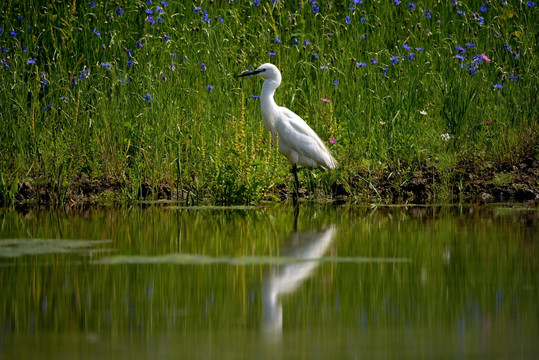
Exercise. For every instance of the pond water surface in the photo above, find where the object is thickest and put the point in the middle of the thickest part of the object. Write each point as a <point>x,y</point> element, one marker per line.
<point>268,283</point>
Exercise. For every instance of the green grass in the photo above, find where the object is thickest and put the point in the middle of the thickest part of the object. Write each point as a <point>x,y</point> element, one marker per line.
<point>212,144</point>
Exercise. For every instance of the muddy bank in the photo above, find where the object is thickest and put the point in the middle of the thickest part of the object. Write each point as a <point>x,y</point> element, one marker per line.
<point>469,183</point>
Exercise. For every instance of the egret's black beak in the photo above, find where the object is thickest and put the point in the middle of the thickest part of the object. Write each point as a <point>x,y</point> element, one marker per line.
<point>250,73</point>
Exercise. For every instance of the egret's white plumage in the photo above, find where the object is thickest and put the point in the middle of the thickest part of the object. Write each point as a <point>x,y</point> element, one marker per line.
<point>297,141</point>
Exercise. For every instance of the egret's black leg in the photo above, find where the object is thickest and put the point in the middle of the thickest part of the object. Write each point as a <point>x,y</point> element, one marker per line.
<point>296,181</point>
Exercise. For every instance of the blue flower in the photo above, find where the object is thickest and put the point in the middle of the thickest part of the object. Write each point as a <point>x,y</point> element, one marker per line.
<point>397,2</point>
<point>202,67</point>
<point>277,40</point>
<point>209,88</point>
<point>84,74</point>
<point>460,57</point>
<point>460,49</point>
<point>373,61</point>
<point>74,80</point>
<point>469,44</point>
<point>196,9</point>
<point>106,64</point>
<point>347,19</point>
<point>44,83</point>
<point>314,57</point>
<point>411,57</point>
<point>92,3</point>
<point>335,82</point>
<point>271,53</point>
<point>306,42</point>
<point>147,97</point>
<point>483,8</point>
<point>363,20</point>
<point>428,13</point>
<point>166,38</point>
<point>419,48</point>
<point>315,8</point>
<point>498,86</point>
<point>129,63</point>
<point>30,61</point>
<point>411,6</point>
<point>159,9</point>
<point>406,47</point>
<point>255,3</point>
<point>13,33</point>
<point>507,47</point>
<point>385,70</point>
<point>481,20</point>
<point>255,96</point>
<point>96,32</point>
<point>4,64</point>
<point>513,77</point>
<point>362,64</point>
<point>394,59</point>
<point>323,67</point>
<point>48,107</point>
<point>530,4</point>
<point>119,11</point>
<point>151,20</point>
<point>64,98</point>
<point>164,3</point>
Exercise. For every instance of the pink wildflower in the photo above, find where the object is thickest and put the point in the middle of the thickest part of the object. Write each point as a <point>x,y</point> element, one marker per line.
<point>485,57</point>
<point>325,100</point>
<point>332,140</point>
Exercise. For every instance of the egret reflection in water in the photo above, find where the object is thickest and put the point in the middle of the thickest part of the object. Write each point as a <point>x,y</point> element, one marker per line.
<point>306,246</point>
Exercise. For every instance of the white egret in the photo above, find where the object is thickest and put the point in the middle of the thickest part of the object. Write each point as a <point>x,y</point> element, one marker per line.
<point>297,141</point>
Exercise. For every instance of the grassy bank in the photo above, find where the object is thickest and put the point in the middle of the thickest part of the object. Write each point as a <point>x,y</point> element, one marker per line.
<point>135,100</point>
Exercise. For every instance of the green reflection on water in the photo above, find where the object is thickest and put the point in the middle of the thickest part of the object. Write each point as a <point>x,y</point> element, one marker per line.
<point>241,283</point>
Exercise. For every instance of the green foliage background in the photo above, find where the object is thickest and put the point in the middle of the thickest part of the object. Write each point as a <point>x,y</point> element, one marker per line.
<point>211,143</point>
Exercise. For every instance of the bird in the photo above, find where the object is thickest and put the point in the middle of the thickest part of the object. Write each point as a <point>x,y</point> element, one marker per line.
<point>297,141</point>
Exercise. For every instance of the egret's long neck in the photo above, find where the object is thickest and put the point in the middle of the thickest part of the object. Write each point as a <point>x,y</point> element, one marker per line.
<point>268,90</point>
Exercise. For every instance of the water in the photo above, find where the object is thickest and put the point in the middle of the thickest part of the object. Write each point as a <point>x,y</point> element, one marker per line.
<point>245,283</point>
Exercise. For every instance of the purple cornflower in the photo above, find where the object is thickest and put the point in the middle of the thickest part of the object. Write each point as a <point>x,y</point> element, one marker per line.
<point>394,59</point>
<point>209,88</point>
<point>306,42</point>
<point>202,67</point>
<point>119,11</point>
<point>139,44</point>
<point>74,80</point>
